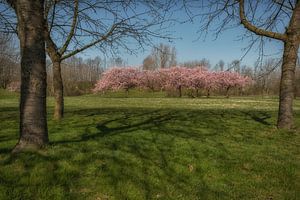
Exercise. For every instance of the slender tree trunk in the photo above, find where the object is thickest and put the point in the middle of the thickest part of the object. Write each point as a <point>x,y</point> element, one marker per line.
<point>208,93</point>
<point>33,121</point>
<point>180,91</point>
<point>227,92</point>
<point>58,90</point>
<point>197,93</point>
<point>285,114</point>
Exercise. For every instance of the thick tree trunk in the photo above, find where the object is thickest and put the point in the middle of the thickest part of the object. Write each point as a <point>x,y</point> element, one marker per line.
<point>33,121</point>
<point>285,114</point>
<point>58,89</point>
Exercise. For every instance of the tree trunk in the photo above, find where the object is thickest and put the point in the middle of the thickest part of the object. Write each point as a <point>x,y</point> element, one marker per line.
<point>33,121</point>
<point>58,90</point>
<point>197,92</point>
<point>227,92</point>
<point>179,91</point>
<point>286,96</point>
<point>208,93</point>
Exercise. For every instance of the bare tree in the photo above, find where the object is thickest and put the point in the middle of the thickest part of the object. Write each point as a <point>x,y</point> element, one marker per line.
<point>33,122</point>
<point>149,63</point>
<point>116,62</point>
<point>9,61</point>
<point>163,56</point>
<point>204,63</point>
<point>74,26</point>
<point>220,66</point>
<point>274,19</point>
<point>235,66</point>
<point>267,76</point>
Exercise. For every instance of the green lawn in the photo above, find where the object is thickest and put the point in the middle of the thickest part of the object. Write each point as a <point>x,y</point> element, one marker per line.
<point>154,148</point>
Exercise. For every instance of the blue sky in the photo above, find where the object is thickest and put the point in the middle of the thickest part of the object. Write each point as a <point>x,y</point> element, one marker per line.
<point>189,47</point>
<point>225,47</point>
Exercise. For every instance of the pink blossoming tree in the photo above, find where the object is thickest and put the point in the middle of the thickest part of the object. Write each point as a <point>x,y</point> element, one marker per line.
<point>171,79</point>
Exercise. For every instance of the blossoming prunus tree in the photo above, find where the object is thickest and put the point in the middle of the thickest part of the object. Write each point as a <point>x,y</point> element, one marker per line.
<point>176,78</point>
<point>196,79</point>
<point>150,79</point>
<point>227,80</point>
<point>170,79</point>
<point>117,79</point>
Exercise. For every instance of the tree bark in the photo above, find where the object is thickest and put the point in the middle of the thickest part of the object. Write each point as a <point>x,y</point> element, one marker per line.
<point>227,92</point>
<point>33,117</point>
<point>58,89</point>
<point>180,91</point>
<point>287,84</point>
<point>208,93</point>
<point>291,39</point>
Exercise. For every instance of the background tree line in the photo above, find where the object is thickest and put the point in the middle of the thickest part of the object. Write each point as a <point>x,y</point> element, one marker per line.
<point>80,75</point>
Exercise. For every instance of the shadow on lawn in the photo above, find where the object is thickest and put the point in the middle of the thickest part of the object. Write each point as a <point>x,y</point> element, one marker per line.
<point>137,154</point>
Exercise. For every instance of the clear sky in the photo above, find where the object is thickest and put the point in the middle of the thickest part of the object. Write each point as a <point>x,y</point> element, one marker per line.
<point>226,47</point>
<point>190,47</point>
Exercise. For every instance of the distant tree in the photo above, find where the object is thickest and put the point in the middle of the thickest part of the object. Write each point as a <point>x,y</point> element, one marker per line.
<point>267,76</point>
<point>117,62</point>
<point>228,80</point>
<point>149,63</point>
<point>150,79</point>
<point>235,66</point>
<point>9,61</point>
<point>164,56</point>
<point>203,63</point>
<point>123,78</point>
<point>175,78</point>
<point>220,66</point>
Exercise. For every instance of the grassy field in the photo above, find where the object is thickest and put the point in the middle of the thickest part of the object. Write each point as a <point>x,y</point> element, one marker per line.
<point>109,147</point>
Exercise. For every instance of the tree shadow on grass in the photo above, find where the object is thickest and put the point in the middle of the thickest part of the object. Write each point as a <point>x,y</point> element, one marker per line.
<point>128,153</point>
<point>259,116</point>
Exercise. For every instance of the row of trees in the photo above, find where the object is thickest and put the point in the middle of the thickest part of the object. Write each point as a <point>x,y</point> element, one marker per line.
<point>171,79</point>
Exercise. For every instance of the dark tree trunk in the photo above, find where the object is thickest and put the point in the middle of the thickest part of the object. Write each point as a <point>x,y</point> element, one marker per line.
<point>208,93</point>
<point>227,92</point>
<point>33,121</point>
<point>285,114</point>
<point>58,90</point>
<point>180,91</point>
<point>197,92</point>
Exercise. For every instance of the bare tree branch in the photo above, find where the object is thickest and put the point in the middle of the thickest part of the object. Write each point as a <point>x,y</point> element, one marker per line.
<point>73,27</point>
<point>102,38</point>
<point>255,29</point>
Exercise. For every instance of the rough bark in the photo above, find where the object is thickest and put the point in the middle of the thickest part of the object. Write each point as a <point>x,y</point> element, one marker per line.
<point>291,39</point>
<point>227,92</point>
<point>179,91</point>
<point>58,89</point>
<point>33,121</point>
<point>287,84</point>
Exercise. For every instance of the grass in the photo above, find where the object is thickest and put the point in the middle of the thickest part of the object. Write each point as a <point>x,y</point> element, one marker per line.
<point>154,148</point>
